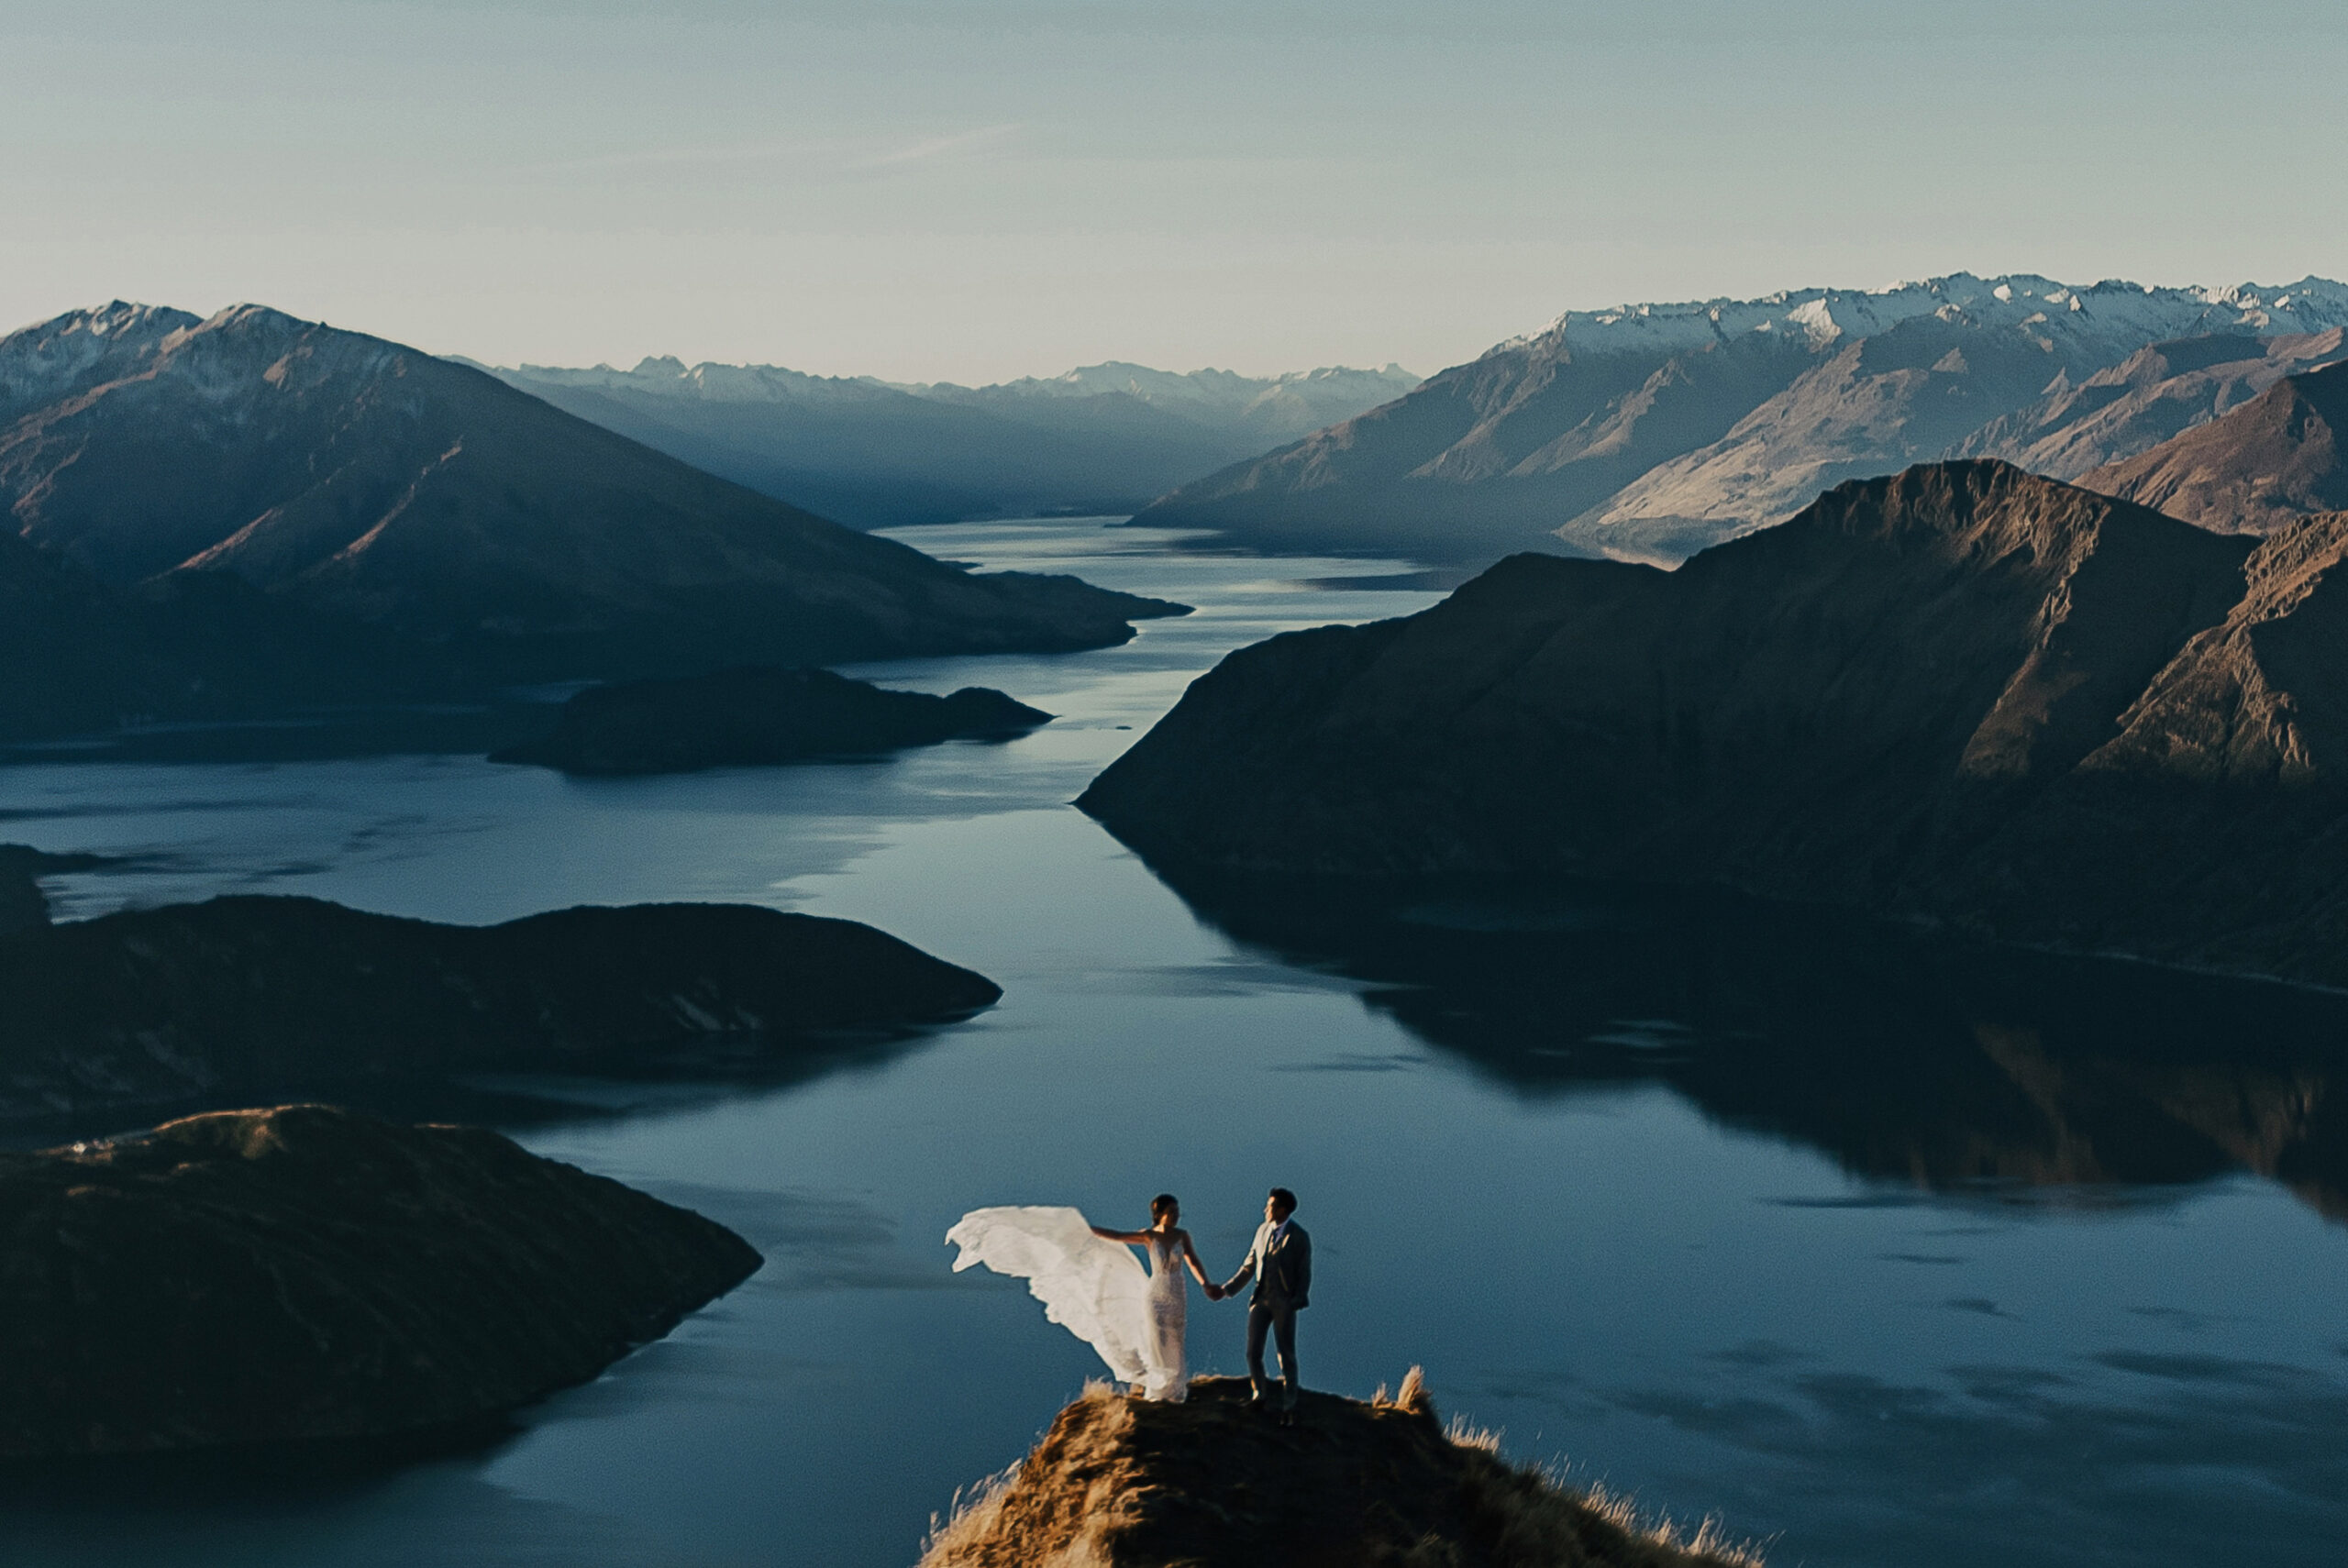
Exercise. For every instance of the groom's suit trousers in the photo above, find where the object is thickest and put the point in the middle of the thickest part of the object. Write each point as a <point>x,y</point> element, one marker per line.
<point>1278,1319</point>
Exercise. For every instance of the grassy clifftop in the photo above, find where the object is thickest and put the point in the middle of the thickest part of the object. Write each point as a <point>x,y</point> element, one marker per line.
<point>1123,1482</point>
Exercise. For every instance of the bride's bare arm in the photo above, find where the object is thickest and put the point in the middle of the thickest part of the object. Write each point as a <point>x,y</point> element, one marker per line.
<point>1131,1238</point>
<point>1191,1256</point>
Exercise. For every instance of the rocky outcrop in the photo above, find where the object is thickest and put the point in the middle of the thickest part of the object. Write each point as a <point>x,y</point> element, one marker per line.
<point>1964,692</point>
<point>300,1274</point>
<point>251,998</point>
<point>1650,432</point>
<point>1127,1483</point>
<point>2281,457</point>
<point>758,716</point>
<point>373,485</point>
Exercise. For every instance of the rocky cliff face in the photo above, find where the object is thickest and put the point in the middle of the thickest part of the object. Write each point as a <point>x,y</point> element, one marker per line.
<point>2279,458</point>
<point>758,717</point>
<point>1885,702</point>
<point>302,1274</point>
<point>1650,432</point>
<point>367,482</point>
<point>1133,1484</point>
<point>256,997</point>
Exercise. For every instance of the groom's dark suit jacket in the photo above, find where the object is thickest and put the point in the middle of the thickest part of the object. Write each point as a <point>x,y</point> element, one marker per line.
<point>1286,1278</point>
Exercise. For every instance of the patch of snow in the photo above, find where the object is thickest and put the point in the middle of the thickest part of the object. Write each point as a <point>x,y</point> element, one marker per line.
<point>2104,319</point>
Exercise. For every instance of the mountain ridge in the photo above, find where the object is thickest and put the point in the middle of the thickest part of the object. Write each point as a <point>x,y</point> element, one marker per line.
<point>1964,693</point>
<point>1649,432</point>
<point>349,479</point>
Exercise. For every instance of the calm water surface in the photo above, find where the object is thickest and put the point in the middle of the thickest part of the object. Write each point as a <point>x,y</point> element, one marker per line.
<point>1885,1258</point>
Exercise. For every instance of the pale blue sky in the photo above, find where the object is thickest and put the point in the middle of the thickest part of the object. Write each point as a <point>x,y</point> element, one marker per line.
<point>979,189</point>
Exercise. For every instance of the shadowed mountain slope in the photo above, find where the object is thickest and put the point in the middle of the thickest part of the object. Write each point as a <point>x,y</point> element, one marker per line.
<point>1102,438</point>
<point>2213,827</point>
<point>2278,458</point>
<point>78,654</point>
<point>302,1274</point>
<point>1650,432</point>
<point>368,482</point>
<point>1897,701</point>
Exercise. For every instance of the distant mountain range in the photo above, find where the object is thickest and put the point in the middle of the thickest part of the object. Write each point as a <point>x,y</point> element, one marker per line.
<point>219,516</point>
<point>1649,432</point>
<point>1106,438</point>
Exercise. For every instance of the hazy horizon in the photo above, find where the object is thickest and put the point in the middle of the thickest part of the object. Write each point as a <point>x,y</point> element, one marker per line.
<point>980,192</point>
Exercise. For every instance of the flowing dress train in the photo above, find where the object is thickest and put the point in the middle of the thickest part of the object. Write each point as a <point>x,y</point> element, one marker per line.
<point>1094,1288</point>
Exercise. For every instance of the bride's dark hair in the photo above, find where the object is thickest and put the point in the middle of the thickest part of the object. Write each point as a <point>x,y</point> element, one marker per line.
<point>1162,1205</point>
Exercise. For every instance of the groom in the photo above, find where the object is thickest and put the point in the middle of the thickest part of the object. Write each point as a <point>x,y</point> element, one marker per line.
<point>1281,1262</point>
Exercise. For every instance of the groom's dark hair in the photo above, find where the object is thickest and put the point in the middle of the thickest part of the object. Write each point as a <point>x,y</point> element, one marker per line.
<point>1161,1203</point>
<point>1284,1197</point>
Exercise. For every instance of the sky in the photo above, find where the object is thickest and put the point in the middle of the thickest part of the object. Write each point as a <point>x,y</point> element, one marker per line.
<point>977,190</point>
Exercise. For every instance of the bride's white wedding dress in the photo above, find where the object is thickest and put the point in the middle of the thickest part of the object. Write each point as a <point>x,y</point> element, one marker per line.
<point>1093,1289</point>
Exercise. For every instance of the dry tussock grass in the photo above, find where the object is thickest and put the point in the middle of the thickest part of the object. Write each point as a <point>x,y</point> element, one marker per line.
<point>970,1518</point>
<point>1082,1498</point>
<point>1533,1517</point>
<point>1537,1519</point>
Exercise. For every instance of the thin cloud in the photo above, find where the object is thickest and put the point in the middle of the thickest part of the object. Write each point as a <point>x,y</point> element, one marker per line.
<point>939,146</point>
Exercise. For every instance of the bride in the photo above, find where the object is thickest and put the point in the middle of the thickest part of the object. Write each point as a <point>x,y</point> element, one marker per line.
<point>1091,1285</point>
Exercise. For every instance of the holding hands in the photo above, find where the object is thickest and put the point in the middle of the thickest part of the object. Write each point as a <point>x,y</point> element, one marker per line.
<point>1214,1291</point>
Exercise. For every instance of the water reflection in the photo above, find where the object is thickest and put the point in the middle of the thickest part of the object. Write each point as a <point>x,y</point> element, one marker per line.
<point>1908,1058</point>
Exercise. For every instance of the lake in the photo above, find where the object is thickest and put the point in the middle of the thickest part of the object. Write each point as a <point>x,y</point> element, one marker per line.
<point>1881,1251</point>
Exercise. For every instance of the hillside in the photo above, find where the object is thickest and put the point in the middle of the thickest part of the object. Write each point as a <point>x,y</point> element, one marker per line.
<point>1124,1483</point>
<point>368,483</point>
<point>251,998</point>
<point>2278,458</point>
<point>1651,431</point>
<point>78,654</point>
<point>873,454</point>
<point>1964,693</point>
<point>300,1274</point>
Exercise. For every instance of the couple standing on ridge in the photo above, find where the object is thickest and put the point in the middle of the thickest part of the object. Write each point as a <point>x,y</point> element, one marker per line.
<point>1092,1287</point>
